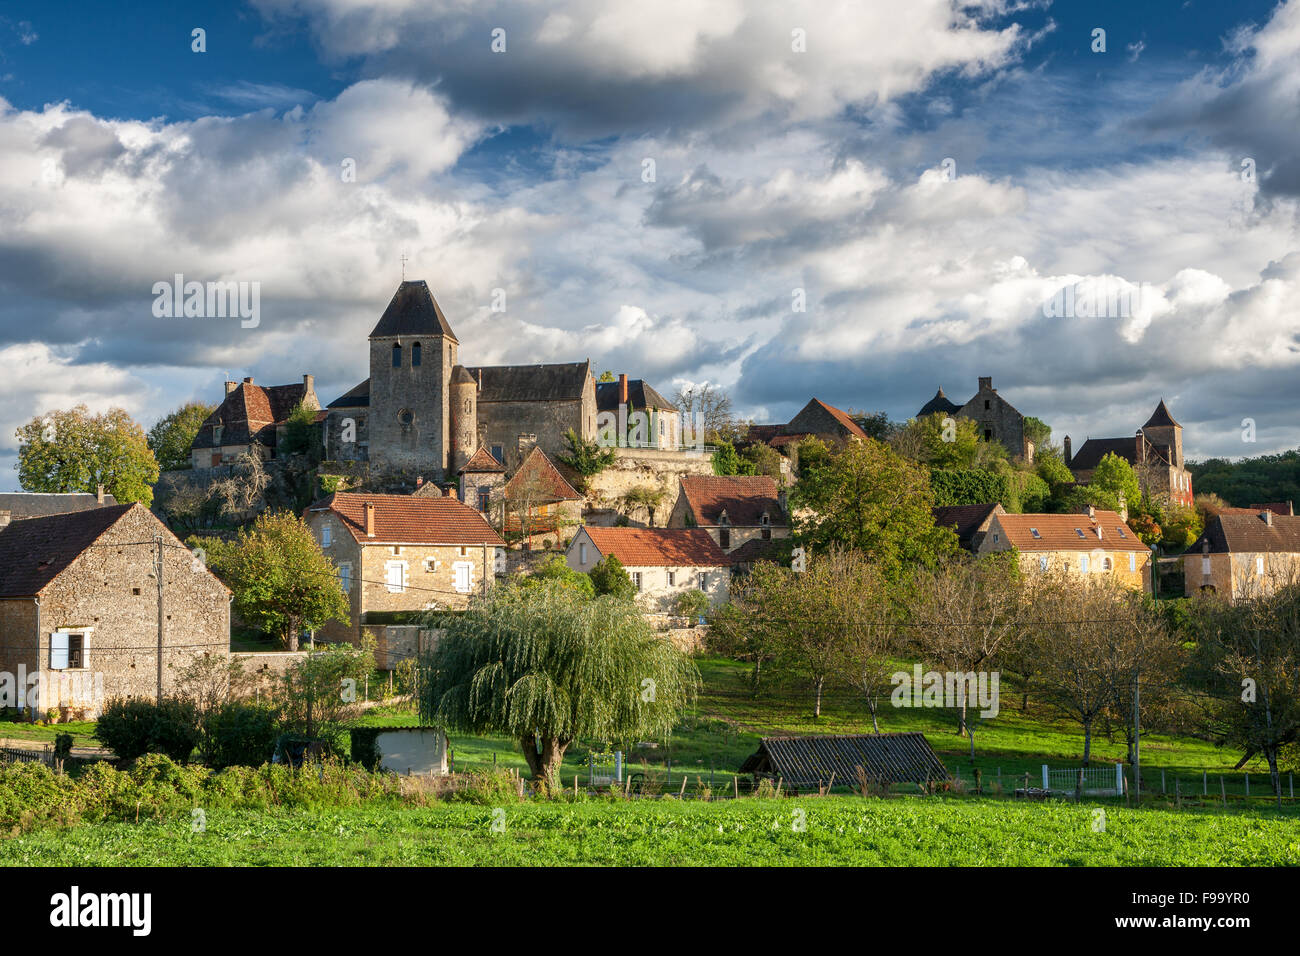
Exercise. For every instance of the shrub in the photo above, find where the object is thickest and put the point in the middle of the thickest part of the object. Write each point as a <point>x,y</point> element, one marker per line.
<point>488,788</point>
<point>239,734</point>
<point>134,727</point>
<point>692,603</point>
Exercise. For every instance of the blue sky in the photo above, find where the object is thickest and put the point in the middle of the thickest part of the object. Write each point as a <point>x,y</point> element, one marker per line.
<point>126,157</point>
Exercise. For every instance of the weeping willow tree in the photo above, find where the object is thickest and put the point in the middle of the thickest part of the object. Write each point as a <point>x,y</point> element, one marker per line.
<point>547,665</point>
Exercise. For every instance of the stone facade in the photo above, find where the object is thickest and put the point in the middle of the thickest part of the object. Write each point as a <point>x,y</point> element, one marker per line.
<point>252,419</point>
<point>1155,452</point>
<point>104,601</point>
<point>1094,545</point>
<point>660,580</point>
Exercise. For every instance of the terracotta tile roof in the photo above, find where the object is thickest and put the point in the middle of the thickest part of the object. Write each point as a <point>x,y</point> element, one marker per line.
<point>658,547</point>
<point>35,551</point>
<point>745,498</point>
<point>1248,532</point>
<point>1284,508</point>
<point>249,414</point>
<point>406,519</point>
<point>481,461</point>
<point>1061,532</point>
<point>548,484</point>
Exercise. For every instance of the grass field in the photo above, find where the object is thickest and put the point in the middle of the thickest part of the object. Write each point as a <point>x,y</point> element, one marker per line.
<point>837,831</point>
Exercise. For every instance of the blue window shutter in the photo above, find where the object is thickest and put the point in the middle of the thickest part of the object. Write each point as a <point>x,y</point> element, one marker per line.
<point>58,652</point>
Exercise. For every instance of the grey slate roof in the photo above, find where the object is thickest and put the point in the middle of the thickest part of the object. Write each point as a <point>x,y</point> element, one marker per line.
<point>639,395</point>
<point>358,396</point>
<point>26,504</point>
<point>806,762</point>
<point>940,403</point>
<point>413,311</point>
<point>531,383</point>
<point>1161,417</point>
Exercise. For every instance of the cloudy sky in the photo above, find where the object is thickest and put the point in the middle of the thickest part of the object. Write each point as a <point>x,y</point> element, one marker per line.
<point>860,201</point>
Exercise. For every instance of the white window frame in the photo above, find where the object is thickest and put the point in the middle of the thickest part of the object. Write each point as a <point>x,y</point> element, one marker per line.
<point>67,633</point>
<point>468,568</point>
<point>389,568</point>
<point>1043,562</point>
<point>637,580</point>
<point>1083,564</point>
<point>672,579</point>
<point>1259,566</point>
<point>582,552</point>
<point>1132,561</point>
<point>431,565</point>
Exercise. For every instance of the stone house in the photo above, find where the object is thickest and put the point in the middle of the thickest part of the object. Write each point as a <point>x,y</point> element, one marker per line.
<point>1155,452</point>
<point>662,562</point>
<point>250,418</point>
<point>998,419</point>
<point>625,401</point>
<point>15,506</point>
<point>399,553</point>
<point>539,502</point>
<point>80,609</point>
<point>734,509</point>
<point>1244,555</point>
<point>816,419</point>
<point>969,522</point>
<point>483,486</point>
<point>1092,543</point>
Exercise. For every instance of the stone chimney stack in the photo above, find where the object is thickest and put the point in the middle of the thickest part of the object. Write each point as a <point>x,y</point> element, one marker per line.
<point>368,509</point>
<point>1068,454</point>
<point>451,493</point>
<point>99,495</point>
<point>5,518</point>
<point>309,383</point>
<point>1139,447</point>
<point>1268,517</point>
<point>248,380</point>
<point>231,386</point>
<point>622,389</point>
<point>986,381</point>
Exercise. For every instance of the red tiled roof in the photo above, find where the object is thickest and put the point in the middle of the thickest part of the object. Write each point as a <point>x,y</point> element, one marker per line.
<point>539,471</point>
<point>249,413</point>
<point>842,417</point>
<point>1248,533</point>
<point>407,519</point>
<point>745,498</point>
<point>482,461</point>
<point>658,547</point>
<point>1058,532</point>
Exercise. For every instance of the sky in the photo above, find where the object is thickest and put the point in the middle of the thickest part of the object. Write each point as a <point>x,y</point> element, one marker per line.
<point>857,201</point>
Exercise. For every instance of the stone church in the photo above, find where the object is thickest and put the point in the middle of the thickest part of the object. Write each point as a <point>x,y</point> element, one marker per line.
<point>422,412</point>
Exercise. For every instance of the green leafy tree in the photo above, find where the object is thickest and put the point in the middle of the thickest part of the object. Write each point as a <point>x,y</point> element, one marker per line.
<point>75,451</point>
<point>867,497</point>
<point>1052,470</point>
<point>726,461</point>
<point>547,667</point>
<point>283,582</point>
<point>1038,432</point>
<point>763,459</point>
<point>587,458</point>
<point>171,437</point>
<point>321,693</point>
<point>606,376</point>
<point>301,433</point>
<point>1114,481</point>
<point>609,577</point>
<point>555,570</point>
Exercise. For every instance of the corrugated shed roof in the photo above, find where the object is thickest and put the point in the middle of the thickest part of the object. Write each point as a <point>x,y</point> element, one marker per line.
<point>408,519</point>
<point>745,498</point>
<point>806,762</point>
<point>412,311</point>
<point>658,547</point>
<point>532,383</point>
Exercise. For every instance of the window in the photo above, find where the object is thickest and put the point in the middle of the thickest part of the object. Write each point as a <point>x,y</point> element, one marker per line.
<point>672,578</point>
<point>988,434</point>
<point>704,581</point>
<point>1042,562</point>
<point>1121,532</point>
<point>464,572</point>
<point>406,418</point>
<point>764,519</point>
<point>395,576</point>
<point>1107,564</point>
<point>1205,565</point>
<point>1034,532</point>
<point>345,577</point>
<point>484,497</point>
<point>1079,532</point>
<point>397,356</point>
<point>1083,563</point>
<point>582,552</point>
<point>636,579</point>
<point>464,551</point>
<point>67,650</point>
<point>1132,561</point>
<point>996,537</point>
<point>325,536</point>
<point>415,354</point>
<point>430,565</point>
<point>499,453</point>
<point>724,537</point>
<point>396,549</point>
<point>1259,565</point>
<point>216,434</point>
<point>766,534</point>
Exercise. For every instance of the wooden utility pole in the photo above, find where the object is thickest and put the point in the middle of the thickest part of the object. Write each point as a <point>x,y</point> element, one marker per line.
<point>158,571</point>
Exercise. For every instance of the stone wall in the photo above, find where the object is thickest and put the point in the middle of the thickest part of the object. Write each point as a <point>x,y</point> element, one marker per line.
<point>637,467</point>
<point>502,423</point>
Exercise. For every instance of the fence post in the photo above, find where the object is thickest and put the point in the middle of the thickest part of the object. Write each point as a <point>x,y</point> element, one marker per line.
<point>1045,787</point>
<point>1223,791</point>
<point>1291,779</point>
<point>1119,779</point>
<point>1205,783</point>
<point>1248,785</point>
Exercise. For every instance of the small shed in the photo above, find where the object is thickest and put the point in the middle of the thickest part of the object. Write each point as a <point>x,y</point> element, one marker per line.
<point>403,750</point>
<point>809,762</point>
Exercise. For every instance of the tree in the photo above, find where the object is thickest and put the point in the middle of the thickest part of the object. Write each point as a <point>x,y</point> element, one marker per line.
<point>1114,481</point>
<point>606,376</point>
<point>876,424</point>
<point>585,457</point>
<point>727,462</point>
<point>302,435</point>
<point>712,404</point>
<point>1037,431</point>
<point>283,582</point>
<point>1052,470</point>
<point>964,612</point>
<point>1209,505</point>
<point>609,578</point>
<point>242,493</point>
<point>171,437</point>
<point>321,692</point>
<point>546,666</point>
<point>1181,526</point>
<point>647,498</point>
<point>556,570</point>
<point>866,497</point>
<point>75,451</point>
<point>763,459</point>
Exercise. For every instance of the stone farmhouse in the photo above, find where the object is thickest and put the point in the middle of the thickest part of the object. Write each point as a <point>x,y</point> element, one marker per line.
<point>969,522</point>
<point>421,411</point>
<point>539,502</point>
<point>1093,543</point>
<point>734,510</point>
<point>1244,555</point>
<point>1155,452</point>
<point>251,418</point>
<point>997,418</point>
<point>402,553</point>
<point>15,506</point>
<point>662,562</point>
<point>816,419</point>
<point>80,608</point>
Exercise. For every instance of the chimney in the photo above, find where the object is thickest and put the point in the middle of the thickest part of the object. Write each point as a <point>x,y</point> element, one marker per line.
<point>986,381</point>
<point>99,495</point>
<point>1268,517</point>
<point>622,389</point>
<point>368,509</point>
<point>248,380</point>
<point>419,480</point>
<point>451,493</point>
<point>783,499</point>
<point>1092,513</point>
<point>231,386</point>
<point>1068,454</point>
<point>309,383</point>
<point>5,518</point>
